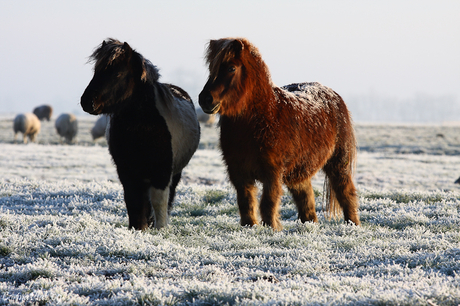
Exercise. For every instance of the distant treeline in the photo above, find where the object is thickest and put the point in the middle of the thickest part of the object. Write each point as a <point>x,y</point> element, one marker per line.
<point>421,108</point>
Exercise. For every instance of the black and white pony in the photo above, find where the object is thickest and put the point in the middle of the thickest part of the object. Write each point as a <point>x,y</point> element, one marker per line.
<point>153,130</point>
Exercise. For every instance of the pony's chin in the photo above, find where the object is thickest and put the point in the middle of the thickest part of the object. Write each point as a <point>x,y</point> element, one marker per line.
<point>215,110</point>
<point>90,108</point>
<point>93,111</point>
<point>96,110</point>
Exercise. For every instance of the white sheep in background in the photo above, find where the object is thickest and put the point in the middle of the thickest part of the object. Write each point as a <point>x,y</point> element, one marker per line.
<point>67,126</point>
<point>207,119</point>
<point>28,124</point>
<point>99,127</point>
<point>43,112</point>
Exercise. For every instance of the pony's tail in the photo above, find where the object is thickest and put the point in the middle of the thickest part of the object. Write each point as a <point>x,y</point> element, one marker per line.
<point>343,171</point>
<point>333,208</point>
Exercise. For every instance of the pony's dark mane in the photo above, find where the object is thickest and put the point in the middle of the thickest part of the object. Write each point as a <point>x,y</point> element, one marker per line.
<point>111,49</point>
<point>257,76</point>
<point>153,130</point>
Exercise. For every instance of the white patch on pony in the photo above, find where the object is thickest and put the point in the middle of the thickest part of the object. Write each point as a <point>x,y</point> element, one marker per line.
<point>159,200</point>
<point>183,126</point>
<point>107,129</point>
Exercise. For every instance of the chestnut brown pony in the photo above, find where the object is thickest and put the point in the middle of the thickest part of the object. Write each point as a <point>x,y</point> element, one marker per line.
<point>278,135</point>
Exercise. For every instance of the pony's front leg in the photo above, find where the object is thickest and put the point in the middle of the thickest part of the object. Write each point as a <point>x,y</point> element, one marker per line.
<point>247,202</point>
<point>159,199</point>
<point>270,202</point>
<point>138,205</point>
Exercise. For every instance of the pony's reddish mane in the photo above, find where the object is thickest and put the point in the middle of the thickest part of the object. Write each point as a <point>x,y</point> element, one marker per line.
<point>241,51</point>
<point>224,50</point>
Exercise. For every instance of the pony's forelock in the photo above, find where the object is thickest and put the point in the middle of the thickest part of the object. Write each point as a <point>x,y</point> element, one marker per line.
<point>223,50</point>
<point>106,53</point>
<point>109,50</point>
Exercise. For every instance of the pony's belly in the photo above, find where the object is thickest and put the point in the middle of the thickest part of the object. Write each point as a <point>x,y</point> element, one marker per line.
<point>139,157</point>
<point>298,174</point>
<point>184,129</point>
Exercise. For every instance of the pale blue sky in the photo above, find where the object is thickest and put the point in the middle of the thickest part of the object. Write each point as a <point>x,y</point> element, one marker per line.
<point>393,49</point>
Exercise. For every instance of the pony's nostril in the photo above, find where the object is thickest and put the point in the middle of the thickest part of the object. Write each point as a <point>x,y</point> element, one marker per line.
<point>208,100</point>
<point>205,100</point>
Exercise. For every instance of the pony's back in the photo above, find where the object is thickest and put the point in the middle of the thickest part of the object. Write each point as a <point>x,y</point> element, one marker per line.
<point>317,99</point>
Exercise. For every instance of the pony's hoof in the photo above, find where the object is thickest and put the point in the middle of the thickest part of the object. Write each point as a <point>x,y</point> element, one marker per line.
<point>249,222</point>
<point>276,225</point>
<point>354,222</point>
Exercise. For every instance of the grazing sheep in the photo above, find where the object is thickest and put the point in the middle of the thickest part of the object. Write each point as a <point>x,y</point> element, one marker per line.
<point>99,127</point>
<point>67,126</point>
<point>43,112</point>
<point>207,119</point>
<point>28,124</point>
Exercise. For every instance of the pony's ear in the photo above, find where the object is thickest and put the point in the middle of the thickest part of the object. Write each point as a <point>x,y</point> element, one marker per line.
<point>212,49</point>
<point>128,50</point>
<point>238,45</point>
<point>103,43</point>
<point>212,44</point>
<point>127,47</point>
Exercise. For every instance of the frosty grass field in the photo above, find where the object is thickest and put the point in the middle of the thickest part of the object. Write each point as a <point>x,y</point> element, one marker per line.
<point>64,238</point>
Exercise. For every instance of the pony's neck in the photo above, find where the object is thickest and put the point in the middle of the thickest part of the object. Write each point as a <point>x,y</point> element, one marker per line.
<point>139,101</point>
<point>262,98</point>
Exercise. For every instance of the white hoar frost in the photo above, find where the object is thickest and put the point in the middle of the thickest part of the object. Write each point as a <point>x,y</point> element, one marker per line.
<point>308,97</point>
<point>308,101</point>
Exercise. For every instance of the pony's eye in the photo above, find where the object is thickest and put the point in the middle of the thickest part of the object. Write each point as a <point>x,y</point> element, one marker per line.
<point>231,69</point>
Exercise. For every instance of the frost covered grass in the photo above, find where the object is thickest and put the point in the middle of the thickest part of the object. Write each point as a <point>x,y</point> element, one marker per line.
<point>64,237</point>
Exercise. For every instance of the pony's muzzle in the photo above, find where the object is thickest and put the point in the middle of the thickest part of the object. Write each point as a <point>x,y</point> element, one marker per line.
<point>87,103</point>
<point>207,104</point>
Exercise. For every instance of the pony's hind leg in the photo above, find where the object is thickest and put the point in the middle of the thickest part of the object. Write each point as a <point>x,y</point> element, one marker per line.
<point>247,203</point>
<point>159,199</point>
<point>138,205</point>
<point>172,189</point>
<point>304,198</point>
<point>344,190</point>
